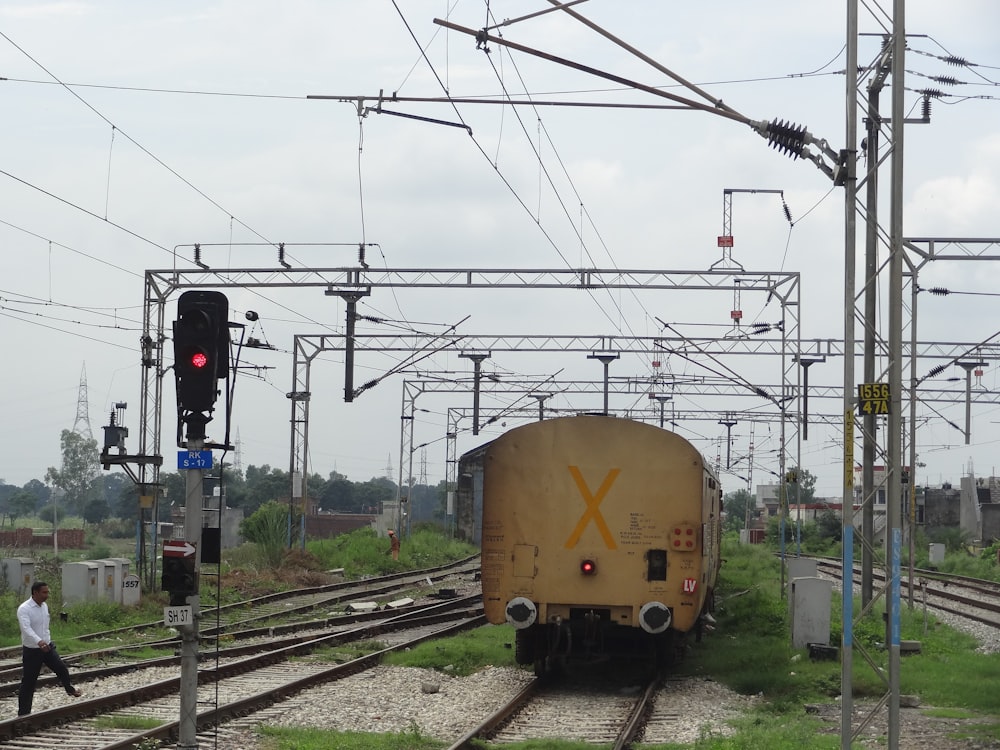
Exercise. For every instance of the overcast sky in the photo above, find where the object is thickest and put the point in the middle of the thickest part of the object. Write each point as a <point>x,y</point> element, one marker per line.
<point>132,131</point>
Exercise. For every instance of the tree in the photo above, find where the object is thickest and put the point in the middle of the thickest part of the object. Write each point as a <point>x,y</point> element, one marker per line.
<point>234,487</point>
<point>21,504</point>
<point>371,494</point>
<point>174,494</point>
<point>268,527</point>
<point>265,484</point>
<point>829,526</point>
<point>428,503</point>
<point>39,489</point>
<point>738,506</point>
<point>112,485</point>
<point>339,495</point>
<point>96,511</point>
<point>79,468</point>
<point>806,482</point>
<point>6,491</point>
<point>126,505</point>
<point>49,512</point>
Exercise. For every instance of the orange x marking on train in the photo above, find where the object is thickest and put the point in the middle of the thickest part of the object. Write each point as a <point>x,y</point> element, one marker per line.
<point>593,508</point>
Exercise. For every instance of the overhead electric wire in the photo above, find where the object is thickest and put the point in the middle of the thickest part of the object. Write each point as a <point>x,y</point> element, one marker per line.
<point>54,243</point>
<point>561,202</point>
<point>580,202</point>
<point>505,181</point>
<point>507,97</point>
<point>30,300</point>
<point>717,103</point>
<point>134,142</point>
<point>85,210</point>
<point>151,90</point>
<point>156,159</point>
<point>957,61</point>
<point>61,330</point>
<point>474,99</point>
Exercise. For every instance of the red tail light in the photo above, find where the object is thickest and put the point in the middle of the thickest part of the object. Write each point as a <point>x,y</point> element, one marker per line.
<point>588,567</point>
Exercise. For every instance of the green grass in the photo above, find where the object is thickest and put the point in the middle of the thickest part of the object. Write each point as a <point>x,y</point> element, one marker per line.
<point>346,651</point>
<point>134,654</point>
<point>464,653</point>
<point>764,731</point>
<point>296,738</point>
<point>126,722</point>
<point>546,744</point>
<point>362,552</point>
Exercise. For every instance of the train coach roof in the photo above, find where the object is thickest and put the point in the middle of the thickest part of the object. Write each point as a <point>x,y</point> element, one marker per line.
<point>479,451</point>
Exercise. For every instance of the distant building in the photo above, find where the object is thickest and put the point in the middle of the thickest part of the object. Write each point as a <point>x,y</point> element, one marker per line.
<point>768,499</point>
<point>974,506</point>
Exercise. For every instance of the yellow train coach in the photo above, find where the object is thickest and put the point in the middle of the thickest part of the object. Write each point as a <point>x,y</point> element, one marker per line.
<point>600,536</point>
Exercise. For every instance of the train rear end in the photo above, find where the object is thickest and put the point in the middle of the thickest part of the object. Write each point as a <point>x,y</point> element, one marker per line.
<point>600,536</point>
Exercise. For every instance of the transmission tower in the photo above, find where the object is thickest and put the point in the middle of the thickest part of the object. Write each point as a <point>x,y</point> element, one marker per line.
<point>238,453</point>
<point>81,425</point>
<point>388,467</point>
<point>423,467</point>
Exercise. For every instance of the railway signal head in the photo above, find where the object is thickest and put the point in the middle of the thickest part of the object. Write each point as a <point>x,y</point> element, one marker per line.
<point>179,579</point>
<point>201,348</point>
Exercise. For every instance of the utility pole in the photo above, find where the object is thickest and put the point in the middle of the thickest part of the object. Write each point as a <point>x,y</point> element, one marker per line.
<point>847,521</point>
<point>663,400</point>
<point>728,422</point>
<point>187,737</point>
<point>477,362</point>
<point>805,363</point>
<point>873,123</point>
<point>605,358</point>
<point>541,397</point>
<point>894,464</point>
<point>969,367</point>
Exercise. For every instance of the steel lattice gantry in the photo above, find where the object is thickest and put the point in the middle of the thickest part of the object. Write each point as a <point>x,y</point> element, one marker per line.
<point>161,284</point>
<point>420,384</point>
<point>782,286</point>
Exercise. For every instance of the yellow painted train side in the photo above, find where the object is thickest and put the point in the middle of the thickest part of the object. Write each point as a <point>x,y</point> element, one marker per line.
<point>596,526</point>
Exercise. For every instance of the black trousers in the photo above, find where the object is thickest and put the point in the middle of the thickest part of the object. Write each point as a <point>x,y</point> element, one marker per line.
<point>32,660</point>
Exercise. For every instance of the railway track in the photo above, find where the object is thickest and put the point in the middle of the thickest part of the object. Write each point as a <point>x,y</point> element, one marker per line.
<point>237,688</point>
<point>606,712</point>
<point>971,599</point>
<point>258,640</point>
<point>281,614</point>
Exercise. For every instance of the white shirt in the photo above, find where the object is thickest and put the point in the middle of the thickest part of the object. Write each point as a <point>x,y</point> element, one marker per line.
<point>34,621</point>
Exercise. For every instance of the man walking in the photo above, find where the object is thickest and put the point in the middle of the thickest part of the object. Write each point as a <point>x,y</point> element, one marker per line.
<point>37,648</point>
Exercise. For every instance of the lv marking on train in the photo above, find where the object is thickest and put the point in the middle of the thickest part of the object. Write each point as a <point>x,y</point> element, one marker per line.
<point>593,507</point>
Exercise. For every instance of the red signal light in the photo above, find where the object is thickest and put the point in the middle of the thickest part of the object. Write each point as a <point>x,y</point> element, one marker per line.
<point>199,360</point>
<point>588,567</point>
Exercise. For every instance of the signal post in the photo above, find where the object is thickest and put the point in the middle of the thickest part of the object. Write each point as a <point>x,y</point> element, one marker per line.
<point>201,358</point>
<point>187,738</point>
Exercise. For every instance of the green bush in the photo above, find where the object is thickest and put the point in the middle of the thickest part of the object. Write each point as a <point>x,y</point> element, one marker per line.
<point>362,551</point>
<point>268,527</point>
<point>117,528</point>
<point>86,617</point>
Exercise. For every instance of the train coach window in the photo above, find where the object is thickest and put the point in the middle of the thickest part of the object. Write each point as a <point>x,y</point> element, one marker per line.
<point>656,565</point>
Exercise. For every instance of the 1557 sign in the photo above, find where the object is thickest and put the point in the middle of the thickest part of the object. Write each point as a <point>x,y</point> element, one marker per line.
<point>873,398</point>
